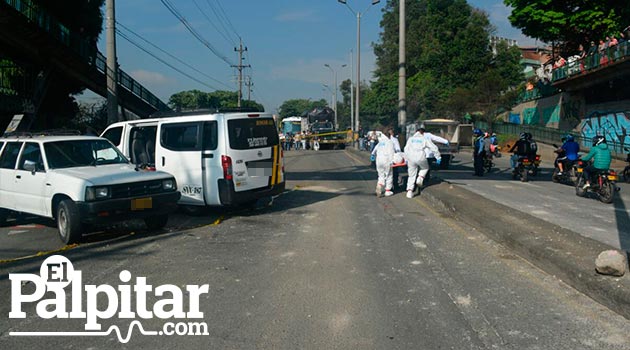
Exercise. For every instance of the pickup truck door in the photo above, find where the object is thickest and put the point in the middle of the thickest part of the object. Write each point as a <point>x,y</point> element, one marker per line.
<point>8,160</point>
<point>30,190</point>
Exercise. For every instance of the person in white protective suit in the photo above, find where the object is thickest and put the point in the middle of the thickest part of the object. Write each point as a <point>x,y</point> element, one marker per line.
<point>383,153</point>
<point>416,150</point>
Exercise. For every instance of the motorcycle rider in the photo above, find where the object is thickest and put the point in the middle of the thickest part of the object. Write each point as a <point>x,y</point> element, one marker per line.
<point>600,153</point>
<point>571,150</point>
<point>415,154</point>
<point>478,152</point>
<point>521,148</point>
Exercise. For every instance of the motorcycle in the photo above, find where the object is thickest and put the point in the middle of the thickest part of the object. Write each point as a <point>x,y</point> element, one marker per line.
<point>569,176</point>
<point>524,168</point>
<point>488,164</point>
<point>604,186</point>
<point>626,170</point>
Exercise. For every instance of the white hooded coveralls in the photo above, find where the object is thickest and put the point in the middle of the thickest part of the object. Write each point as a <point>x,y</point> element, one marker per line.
<point>416,151</point>
<point>384,152</point>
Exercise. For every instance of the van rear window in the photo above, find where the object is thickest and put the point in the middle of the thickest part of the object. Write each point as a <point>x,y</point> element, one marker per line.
<point>252,133</point>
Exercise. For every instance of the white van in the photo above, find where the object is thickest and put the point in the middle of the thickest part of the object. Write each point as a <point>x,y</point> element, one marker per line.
<point>218,159</point>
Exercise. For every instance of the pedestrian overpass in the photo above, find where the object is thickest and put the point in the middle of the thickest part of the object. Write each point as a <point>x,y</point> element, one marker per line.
<point>29,35</point>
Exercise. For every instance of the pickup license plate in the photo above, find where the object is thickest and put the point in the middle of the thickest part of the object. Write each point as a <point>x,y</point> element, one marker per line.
<point>142,203</point>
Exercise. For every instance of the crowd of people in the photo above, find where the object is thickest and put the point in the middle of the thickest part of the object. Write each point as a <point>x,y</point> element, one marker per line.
<point>295,141</point>
<point>598,53</point>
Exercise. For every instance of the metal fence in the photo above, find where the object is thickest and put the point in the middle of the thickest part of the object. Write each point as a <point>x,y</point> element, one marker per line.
<point>554,136</point>
<point>83,47</point>
<point>597,60</point>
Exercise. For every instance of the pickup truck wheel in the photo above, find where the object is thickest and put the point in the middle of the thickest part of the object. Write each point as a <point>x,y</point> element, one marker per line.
<point>69,222</point>
<point>3,216</point>
<point>156,222</point>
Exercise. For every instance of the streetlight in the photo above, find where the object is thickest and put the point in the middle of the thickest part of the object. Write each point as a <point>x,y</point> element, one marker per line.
<point>335,93</point>
<point>329,90</point>
<point>358,98</point>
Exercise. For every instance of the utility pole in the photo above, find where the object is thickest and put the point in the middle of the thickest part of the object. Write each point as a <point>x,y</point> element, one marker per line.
<point>352,92</point>
<point>240,67</point>
<point>402,77</point>
<point>112,67</point>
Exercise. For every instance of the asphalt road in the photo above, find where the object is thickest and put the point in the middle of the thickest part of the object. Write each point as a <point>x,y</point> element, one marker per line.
<point>327,266</point>
<point>552,202</point>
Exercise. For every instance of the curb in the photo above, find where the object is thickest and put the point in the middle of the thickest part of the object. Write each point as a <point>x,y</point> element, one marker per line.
<point>562,253</point>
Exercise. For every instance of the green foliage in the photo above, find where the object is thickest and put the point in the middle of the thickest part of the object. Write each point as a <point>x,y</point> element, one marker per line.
<point>570,22</point>
<point>296,107</point>
<point>450,67</point>
<point>195,99</point>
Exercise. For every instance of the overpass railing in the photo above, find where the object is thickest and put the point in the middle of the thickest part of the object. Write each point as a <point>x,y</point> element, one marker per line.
<point>597,60</point>
<point>83,47</point>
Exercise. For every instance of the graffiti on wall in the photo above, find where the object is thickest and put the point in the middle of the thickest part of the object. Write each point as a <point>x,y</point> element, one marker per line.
<point>615,126</point>
<point>530,117</point>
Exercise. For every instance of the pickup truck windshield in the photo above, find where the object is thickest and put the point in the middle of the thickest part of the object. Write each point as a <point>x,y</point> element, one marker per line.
<point>78,153</point>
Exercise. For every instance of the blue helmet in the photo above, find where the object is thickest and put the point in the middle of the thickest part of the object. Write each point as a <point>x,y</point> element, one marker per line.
<point>570,137</point>
<point>477,132</point>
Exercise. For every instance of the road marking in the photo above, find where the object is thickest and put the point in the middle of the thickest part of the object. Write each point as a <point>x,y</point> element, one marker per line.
<point>38,254</point>
<point>358,160</point>
<point>11,233</point>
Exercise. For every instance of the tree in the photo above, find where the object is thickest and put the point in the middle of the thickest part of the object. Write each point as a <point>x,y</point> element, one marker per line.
<point>447,48</point>
<point>195,99</point>
<point>569,22</point>
<point>296,107</point>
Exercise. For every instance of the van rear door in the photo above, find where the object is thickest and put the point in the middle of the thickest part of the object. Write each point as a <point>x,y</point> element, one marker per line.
<point>179,154</point>
<point>255,152</point>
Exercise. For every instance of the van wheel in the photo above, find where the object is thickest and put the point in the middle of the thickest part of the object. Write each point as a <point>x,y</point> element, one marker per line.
<point>156,222</point>
<point>69,222</point>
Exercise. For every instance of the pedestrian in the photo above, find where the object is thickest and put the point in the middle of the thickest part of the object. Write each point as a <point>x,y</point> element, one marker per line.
<point>383,154</point>
<point>417,165</point>
<point>429,153</point>
<point>478,152</point>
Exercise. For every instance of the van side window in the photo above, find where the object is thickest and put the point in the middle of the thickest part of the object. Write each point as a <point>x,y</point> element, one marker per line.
<point>32,154</point>
<point>210,136</point>
<point>10,155</point>
<point>114,135</point>
<point>180,136</point>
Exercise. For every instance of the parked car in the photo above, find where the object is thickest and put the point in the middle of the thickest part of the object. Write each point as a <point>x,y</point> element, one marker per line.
<point>80,180</point>
<point>218,159</point>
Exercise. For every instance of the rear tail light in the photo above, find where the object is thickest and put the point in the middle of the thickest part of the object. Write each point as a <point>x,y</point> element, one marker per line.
<point>538,157</point>
<point>226,164</point>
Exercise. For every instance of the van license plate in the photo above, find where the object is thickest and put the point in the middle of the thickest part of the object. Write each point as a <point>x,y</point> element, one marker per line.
<point>142,203</point>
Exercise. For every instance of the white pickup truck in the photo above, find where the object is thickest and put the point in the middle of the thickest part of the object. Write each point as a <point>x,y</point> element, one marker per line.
<point>79,180</point>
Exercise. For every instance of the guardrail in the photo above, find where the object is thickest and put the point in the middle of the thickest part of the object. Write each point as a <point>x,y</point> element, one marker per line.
<point>597,60</point>
<point>83,47</point>
<point>551,136</point>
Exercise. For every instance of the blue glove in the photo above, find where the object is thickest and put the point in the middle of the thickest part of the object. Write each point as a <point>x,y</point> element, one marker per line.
<point>372,158</point>
<point>438,161</point>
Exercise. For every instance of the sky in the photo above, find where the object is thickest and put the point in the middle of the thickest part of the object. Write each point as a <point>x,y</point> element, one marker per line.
<point>288,43</point>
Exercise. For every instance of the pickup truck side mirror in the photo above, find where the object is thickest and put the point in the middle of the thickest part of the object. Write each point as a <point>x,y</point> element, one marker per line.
<point>30,165</point>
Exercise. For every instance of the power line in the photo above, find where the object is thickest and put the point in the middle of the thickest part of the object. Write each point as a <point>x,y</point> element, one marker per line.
<point>172,56</point>
<point>229,40</point>
<point>192,30</point>
<point>227,18</point>
<point>220,18</point>
<point>124,36</point>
